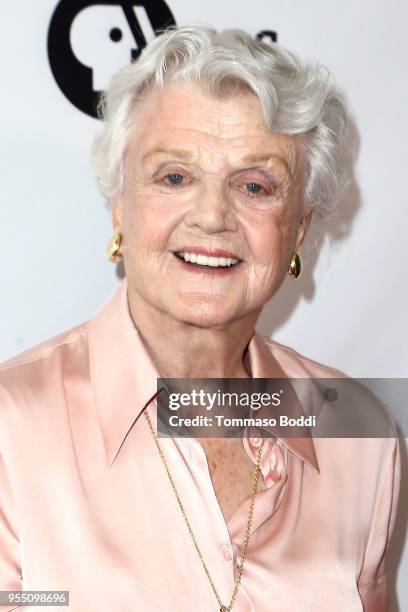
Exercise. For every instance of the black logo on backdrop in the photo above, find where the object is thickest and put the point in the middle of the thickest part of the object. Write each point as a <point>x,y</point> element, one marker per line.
<point>74,78</point>
<point>267,36</point>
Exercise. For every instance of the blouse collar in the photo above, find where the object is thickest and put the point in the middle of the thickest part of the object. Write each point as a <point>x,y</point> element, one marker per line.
<point>124,378</point>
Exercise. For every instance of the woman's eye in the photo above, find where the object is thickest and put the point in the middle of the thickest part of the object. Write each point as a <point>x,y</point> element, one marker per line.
<point>255,185</point>
<point>254,188</point>
<point>174,179</point>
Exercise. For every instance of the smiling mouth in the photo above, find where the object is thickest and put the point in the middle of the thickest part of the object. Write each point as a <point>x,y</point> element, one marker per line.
<point>207,261</point>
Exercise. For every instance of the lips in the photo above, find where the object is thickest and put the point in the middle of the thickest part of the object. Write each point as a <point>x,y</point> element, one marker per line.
<point>207,258</point>
<point>207,251</point>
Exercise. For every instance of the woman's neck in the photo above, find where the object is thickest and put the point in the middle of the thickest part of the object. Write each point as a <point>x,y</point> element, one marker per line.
<point>183,350</point>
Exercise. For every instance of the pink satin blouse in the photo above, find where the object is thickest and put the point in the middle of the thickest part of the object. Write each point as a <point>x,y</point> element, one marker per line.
<point>86,506</point>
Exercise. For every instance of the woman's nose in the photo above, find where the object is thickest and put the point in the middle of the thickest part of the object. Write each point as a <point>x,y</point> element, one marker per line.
<point>212,209</point>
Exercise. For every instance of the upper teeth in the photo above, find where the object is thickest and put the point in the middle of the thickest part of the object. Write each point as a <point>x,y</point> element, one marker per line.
<point>204,260</point>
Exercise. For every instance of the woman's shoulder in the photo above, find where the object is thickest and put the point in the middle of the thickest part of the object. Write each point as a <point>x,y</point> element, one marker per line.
<point>33,368</point>
<point>36,389</point>
<point>353,407</point>
<point>296,364</point>
<point>43,349</point>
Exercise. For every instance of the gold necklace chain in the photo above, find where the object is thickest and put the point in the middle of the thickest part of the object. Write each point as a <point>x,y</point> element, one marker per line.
<point>247,530</point>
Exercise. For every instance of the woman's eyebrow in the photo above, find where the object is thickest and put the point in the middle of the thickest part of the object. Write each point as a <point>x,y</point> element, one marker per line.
<point>178,153</point>
<point>262,158</point>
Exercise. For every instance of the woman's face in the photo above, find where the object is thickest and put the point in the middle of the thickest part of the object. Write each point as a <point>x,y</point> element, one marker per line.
<point>206,178</point>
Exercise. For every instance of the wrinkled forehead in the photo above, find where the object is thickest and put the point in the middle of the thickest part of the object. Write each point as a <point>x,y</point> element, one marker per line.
<point>206,129</point>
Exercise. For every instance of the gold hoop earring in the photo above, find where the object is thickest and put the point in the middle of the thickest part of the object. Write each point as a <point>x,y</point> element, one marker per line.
<point>295,266</point>
<point>113,248</point>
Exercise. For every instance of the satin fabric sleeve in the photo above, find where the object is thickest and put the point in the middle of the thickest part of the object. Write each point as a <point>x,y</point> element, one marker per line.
<point>10,566</point>
<point>372,583</point>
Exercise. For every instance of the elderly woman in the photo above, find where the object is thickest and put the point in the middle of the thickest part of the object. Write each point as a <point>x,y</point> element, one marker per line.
<point>216,151</point>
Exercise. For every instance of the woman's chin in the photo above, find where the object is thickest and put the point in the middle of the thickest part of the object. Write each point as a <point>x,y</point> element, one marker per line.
<point>205,315</point>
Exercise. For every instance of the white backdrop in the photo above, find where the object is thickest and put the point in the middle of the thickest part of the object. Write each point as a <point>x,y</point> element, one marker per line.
<point>349,309</point>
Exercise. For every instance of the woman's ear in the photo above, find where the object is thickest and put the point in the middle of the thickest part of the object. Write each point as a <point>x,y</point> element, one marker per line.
<point>117,214</point>
<point>303,226</point>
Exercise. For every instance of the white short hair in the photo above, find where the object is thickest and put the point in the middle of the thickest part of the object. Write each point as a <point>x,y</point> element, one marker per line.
<point>295,97</point>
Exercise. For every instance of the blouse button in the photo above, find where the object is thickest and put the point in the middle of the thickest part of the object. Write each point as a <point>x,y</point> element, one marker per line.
<point>256,442</point>
<point>226,551</point>
<point>272,478</point>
